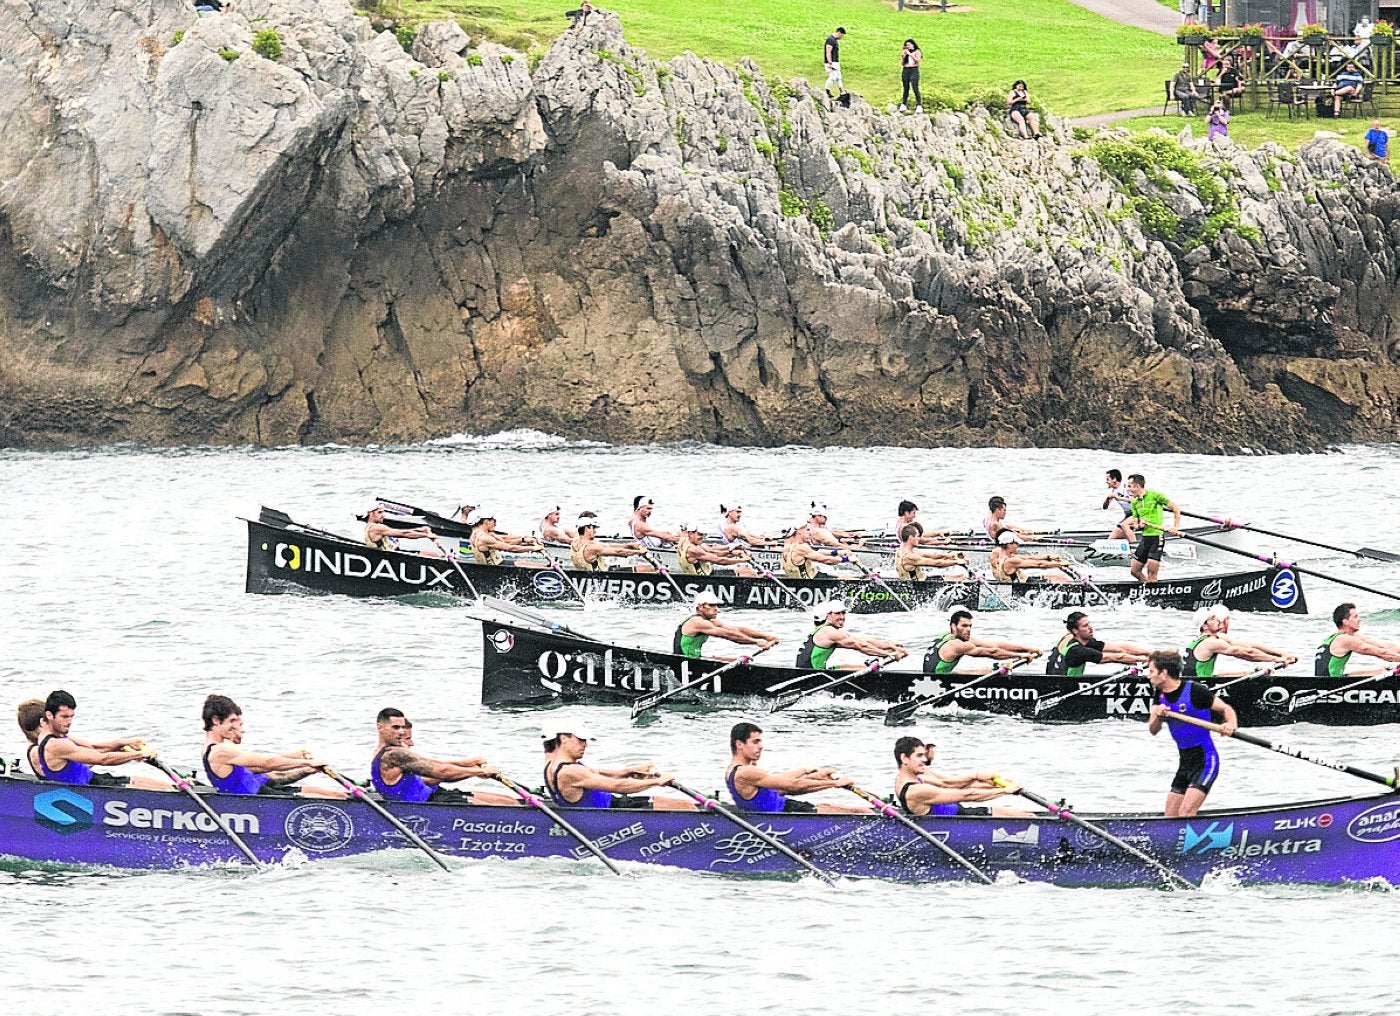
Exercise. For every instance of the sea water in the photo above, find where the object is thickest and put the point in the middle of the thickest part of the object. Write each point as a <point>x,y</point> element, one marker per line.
<point>123,583</point>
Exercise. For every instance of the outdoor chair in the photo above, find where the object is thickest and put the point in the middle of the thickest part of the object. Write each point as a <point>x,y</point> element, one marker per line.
<point>1285,97</point>
<point>1167,102</point>
<point>1360,102</point>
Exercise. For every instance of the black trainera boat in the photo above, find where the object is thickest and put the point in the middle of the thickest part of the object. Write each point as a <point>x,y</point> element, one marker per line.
<point>284,555</point>
<point>524,666</point>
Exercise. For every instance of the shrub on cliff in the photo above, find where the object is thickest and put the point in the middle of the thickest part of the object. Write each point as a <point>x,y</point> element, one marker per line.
<point>268,44</point>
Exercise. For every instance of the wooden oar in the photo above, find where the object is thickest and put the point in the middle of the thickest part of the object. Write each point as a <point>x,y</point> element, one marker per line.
<point>889,811</point>
<point>358,792</point>
<point>900,713</point>
<point>457,564</point>
<point>1103,834</point>
<point>652,559</point>
<point>785,588</point>
<point>1302,701</point>
<point>557,819</point>
<point>183,785</point>
<point>1282,749</point>
<point>654,699</point>
<point>1261,672</point>
<point>1366,552</point>
<point>710,804</point>
<point>1276,563</point>
<point>1046,704</point>
<point>787,701</point>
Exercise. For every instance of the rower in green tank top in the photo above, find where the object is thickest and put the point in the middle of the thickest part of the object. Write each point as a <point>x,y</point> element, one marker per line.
<point>958,641</point>
<point>1337,649</point>
<point>1079,648</point>
<point>830,635</point>
<point>691,633</point>
<point>1213,641</point>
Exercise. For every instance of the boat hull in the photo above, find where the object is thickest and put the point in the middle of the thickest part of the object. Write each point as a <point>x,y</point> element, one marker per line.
<point>1350,839</point>
<point>282,558</point>
<point>522,666</point>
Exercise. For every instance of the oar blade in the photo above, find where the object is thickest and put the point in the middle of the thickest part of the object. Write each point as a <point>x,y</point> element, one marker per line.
<point>1378,555</point>
<point>901,713</point>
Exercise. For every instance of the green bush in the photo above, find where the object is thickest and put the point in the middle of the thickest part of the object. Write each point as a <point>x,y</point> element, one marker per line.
<point>444,76</point>
<point>765,147</point>
<point>229,54</point>
<point>722,144</point>
<point>507,58</point>
<point>268,44</point>
<point>175,39</point>
<point>473,59</point>
<point>793,204</point>
<point>406,34</point>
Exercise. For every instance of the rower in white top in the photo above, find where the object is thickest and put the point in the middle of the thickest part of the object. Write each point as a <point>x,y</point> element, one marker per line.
<point>1121,501</point>
<point>995,522</point>
<point>643,531</point>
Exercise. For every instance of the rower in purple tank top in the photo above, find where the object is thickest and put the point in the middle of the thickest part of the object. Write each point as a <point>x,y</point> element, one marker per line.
<point>571,783</point>
<point>399,773</point>
<point>920,791</point>
<point>232,770</point>
<point>755,789</point>
<point>59,758</point>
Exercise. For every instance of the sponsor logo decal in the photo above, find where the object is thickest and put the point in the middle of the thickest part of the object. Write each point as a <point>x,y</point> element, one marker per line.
<point>1380,824</point>
<point>664,844</point>
<point>1304,822</point>
<point>549,585</point>
<point>612,839</point>
<point>1284,589</point>
<point>410,571</point>
<point>1211,590</point>
<point>1220,837</point>
<point>119,814</point>
<point>319,828</point>
<point>503,641</point>
<point>1275,696</point>
<point>63,811</point>
<point>1278,696</point>
<point>746,848</point>
<point>1030,836</point>
<point>926,685</point>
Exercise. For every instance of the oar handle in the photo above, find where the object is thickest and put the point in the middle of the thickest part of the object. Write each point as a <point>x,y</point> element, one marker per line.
<point>1195,722</point>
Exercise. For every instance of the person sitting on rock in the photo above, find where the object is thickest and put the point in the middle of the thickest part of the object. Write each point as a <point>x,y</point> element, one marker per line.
<point>1018,105</point>
<point>580,16</point>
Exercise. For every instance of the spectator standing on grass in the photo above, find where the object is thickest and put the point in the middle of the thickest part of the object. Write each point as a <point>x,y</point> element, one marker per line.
<point>831,56</point>
<point>1184,90</point>
<point>1378,143</point>
<point>1218,121</point>
<point>909,61</point>
<point>1188,11</point>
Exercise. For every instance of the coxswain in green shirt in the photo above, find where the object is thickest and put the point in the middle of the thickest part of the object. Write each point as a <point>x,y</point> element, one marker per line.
<point>691,633</point>
<point>830,635</point>
<point>958,641</point>
<point>1147,516</point>
<point>1337,648</point>
<point>1213,641</point>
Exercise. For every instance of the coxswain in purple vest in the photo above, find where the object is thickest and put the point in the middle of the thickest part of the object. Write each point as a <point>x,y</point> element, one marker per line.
<point>1199,762</point>
<point>247,773</point>
<point>399,773</point>
<point>757,790</point>
<point>571,783</point>
<point>60,758</point>
<point>921,792</point>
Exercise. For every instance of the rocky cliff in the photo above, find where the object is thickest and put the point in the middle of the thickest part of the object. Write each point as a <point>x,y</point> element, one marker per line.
<point>354,243</point>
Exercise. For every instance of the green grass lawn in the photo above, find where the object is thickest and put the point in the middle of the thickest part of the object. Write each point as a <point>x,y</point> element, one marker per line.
<point>1253,128</point>
<point>1075,62</point>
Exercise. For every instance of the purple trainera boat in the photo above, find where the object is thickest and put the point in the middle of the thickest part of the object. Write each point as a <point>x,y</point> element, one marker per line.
<point>1333,841</point>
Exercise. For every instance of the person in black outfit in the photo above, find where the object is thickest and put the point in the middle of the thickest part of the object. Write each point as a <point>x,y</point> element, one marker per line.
<point>1231,87</point>
<point>909,61</point>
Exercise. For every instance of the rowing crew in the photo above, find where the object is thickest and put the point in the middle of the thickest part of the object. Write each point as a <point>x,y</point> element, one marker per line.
<point>398,773</point>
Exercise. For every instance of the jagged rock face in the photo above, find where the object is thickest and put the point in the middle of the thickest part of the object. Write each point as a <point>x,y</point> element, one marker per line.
<point>356,244</point>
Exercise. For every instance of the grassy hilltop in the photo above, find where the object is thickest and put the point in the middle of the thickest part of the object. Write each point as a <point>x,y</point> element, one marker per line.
<point>1075,62</point>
